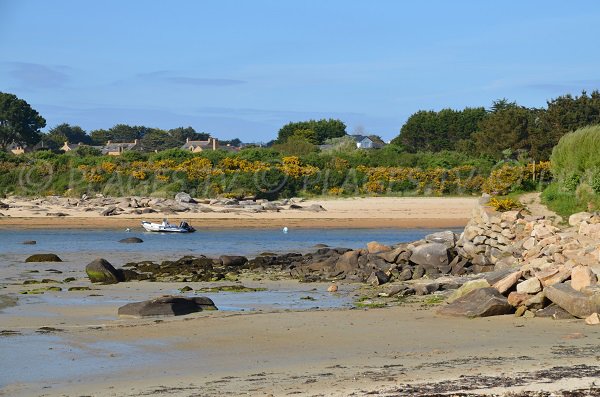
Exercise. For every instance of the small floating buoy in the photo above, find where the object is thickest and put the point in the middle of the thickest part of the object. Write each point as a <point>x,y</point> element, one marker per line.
<point>128,230</point>
<point>285,229</point>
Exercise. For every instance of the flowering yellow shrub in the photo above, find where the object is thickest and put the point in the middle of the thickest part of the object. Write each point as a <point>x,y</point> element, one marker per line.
<point>163,178</point>
<point>291,166</point>
<point>336,191</point>
<point>93,177</point>
<point>198,168</point>
<point>506,204</point>
<point>108,167</point>
<point>141,175</point>
<point>234,164</point>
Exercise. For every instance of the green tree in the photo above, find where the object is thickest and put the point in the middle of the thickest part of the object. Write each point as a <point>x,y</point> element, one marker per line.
<point>324,129</point>
<point>156,140</point>
<point>62,133</point>
<point>436,131</point>
<point>18,121</point>
<point>180,134</point>
<point>564,114</point>
<point>506,128</point>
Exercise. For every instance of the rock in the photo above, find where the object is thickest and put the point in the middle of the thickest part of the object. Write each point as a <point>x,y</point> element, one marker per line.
<point>482,302</point>
<point>516,299</point>
<point>166,306</point>
<point>56,214</point>
<point>576,219</point>
<point>30,242</point>
<point>508,282</point>
<point>391,256</point>
<point>101,271</point>
<point>110,211</point>
<point>332,288</point>
<point>590,230</point>
<point>554,311</point>
<point>43,258</point>
<point>467,288</point>
<point>536,302</point>
<point>581,277</point>
<point>4,206</point>
<point>592,319</point>
<point>448,238</point>
<point>405,274</point>
<point>418,272</point>
<point>425,288</point>
<point>574,302</point>
<point>529,243</point>
<point>511,216</point>
<point>374,247</point>
<point>530,286</point>
<point>315,208</point>
<point>377,278</point>
<point>183,197</point>
<point>131,240</point>
<point>430,255</point>
<point>233,260</point>
<point>347,262</point>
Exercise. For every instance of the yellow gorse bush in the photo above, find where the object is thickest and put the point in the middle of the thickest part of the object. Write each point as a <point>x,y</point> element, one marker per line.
<point>291,166</point>
<point>506,204</point>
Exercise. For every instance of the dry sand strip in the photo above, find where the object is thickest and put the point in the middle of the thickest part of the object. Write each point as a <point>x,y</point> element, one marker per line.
<point>371,212</point>
<point>398,351</point>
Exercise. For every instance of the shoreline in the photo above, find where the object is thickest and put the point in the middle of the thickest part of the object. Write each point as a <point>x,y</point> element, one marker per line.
<point>232,223</point>
<point>352,213</point>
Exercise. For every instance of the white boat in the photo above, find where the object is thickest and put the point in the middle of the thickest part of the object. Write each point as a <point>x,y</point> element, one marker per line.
<point>166,227</point>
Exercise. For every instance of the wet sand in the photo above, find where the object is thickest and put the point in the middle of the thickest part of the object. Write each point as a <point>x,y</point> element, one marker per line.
<point>328,353</point>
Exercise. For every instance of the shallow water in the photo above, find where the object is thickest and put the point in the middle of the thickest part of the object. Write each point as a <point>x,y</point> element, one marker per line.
<point>208,242</point>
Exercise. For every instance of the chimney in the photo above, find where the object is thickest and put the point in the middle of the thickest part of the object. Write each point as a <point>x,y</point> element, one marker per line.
<point>214,143</point>
<point>135,141</point>
<point>187,140</point>
<point>108,142</point>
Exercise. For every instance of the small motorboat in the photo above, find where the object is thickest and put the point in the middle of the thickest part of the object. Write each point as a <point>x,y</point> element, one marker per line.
<point>166,227</point>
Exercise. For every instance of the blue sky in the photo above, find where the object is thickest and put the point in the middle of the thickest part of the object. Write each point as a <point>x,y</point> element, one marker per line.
<point>245,68</point>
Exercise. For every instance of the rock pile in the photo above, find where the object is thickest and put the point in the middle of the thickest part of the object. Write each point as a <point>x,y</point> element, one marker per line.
<point>550,271</point>
<point>181,203</point>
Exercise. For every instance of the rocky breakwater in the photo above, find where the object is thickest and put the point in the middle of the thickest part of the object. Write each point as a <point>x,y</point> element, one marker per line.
<point>547,271</point>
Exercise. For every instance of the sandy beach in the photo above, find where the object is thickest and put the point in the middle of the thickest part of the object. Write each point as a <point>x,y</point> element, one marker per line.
<point>371,212</point>
<point>72,343</point>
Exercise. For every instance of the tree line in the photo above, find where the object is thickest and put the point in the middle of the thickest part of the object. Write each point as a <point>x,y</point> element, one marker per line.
<point>505,127</point>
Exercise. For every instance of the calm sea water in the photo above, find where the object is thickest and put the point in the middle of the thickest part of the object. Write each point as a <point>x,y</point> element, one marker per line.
<point>210,242</point>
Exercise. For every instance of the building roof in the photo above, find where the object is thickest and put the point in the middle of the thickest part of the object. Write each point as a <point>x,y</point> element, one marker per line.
<point>112,147</point>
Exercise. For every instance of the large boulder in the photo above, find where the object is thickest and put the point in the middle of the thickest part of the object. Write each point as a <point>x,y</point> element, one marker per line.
<point>375,247</point>
<point>347,262</point>
<point>101,271</point>
<point>576,219</point>
<point>448,238</point>
<point>166,306</point>
<point>467,288</point>
<point>482,302</point>
<point>43,258</point>
<point>183,197</point>
<point>233,260</point>
<point>576,303</point>
<point>430,255</point>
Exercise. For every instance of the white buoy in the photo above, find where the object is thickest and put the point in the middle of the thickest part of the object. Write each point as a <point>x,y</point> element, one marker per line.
<point>128,230</point>
<point>285,229</point>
